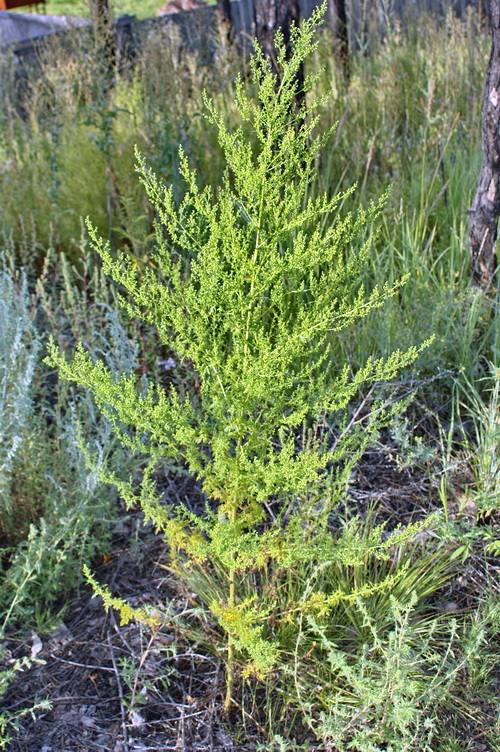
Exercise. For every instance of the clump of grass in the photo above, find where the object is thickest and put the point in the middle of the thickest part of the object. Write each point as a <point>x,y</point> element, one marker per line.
<point>66,148</point>
<point>411,117</point>
<point>480,403</point>
<point>55,515</point>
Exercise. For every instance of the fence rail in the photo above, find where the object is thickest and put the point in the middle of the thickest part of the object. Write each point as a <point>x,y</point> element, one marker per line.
<point>196,26</point>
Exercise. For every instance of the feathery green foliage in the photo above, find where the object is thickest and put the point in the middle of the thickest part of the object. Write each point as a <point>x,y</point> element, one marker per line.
<point>385,692</point>
<point>250,285</point>
<point>54,512</point>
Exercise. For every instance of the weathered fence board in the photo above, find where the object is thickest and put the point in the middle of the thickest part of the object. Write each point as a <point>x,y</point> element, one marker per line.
<point>197,22</point>
<point>196,26</point>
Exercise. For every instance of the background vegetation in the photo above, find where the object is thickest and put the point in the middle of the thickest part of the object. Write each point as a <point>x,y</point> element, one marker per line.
<point>81,8</point>
<point>390,668</point>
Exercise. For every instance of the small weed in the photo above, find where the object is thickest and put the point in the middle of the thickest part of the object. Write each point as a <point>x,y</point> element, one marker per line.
<point>9,721</point>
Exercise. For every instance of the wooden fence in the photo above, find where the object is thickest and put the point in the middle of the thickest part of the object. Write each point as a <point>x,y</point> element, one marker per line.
<point>195,27</point>
<point>360,13</point>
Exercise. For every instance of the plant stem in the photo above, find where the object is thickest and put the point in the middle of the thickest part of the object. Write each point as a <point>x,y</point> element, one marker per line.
<point>230,648</point>
<point>230,642</point>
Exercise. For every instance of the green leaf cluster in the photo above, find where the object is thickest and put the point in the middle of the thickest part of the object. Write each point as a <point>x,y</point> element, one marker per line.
<point>250,282</point>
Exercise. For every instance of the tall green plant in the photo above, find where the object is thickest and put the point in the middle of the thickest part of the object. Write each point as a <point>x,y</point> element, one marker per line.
<point>249,285</point>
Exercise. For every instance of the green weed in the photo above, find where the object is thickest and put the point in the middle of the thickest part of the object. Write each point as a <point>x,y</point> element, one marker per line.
<point>251,287</point>
<point>9,721</point>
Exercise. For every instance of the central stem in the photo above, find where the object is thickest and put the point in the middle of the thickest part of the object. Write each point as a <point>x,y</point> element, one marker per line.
<point>230,648</point>
<point>230,642</point>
